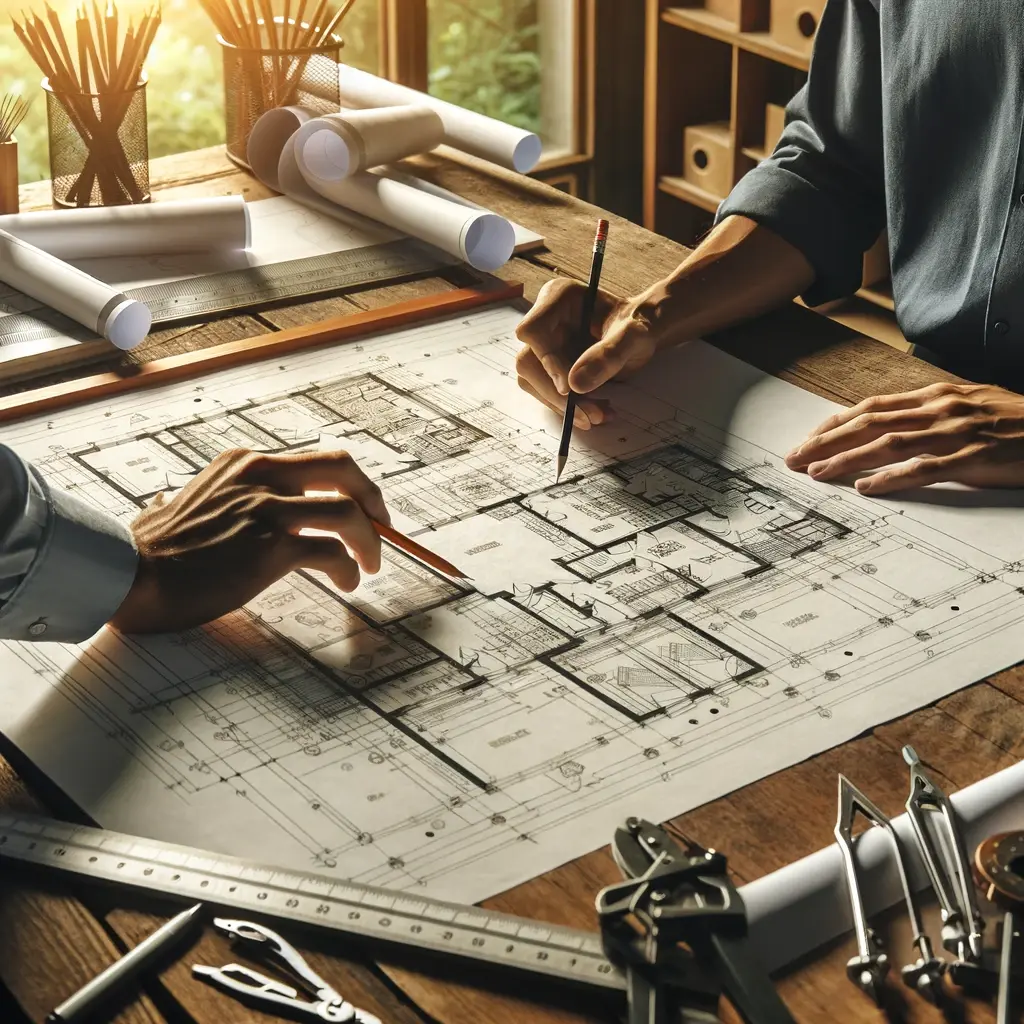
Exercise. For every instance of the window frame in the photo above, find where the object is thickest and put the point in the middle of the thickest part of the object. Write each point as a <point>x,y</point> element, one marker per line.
<point>403,35</point>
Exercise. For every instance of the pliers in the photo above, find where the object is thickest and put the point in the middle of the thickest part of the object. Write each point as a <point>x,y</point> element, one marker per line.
<point>269,995</point>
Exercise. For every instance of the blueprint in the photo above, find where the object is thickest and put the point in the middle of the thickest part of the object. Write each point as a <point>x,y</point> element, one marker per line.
<point>680,616</point>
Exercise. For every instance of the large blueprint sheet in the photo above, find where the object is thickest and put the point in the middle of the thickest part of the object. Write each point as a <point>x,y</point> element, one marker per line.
<point>679,617</point>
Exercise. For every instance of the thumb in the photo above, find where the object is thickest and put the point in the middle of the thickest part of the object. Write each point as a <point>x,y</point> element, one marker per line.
<point>624,345</point>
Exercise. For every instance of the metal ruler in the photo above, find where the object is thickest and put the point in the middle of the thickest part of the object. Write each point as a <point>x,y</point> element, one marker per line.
<point>211,294</point>
<point>382,915</point>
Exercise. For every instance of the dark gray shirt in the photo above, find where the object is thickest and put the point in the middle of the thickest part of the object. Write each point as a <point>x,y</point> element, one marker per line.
<point>912,117</point>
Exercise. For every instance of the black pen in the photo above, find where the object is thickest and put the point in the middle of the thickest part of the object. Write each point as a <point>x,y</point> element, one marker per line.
<point>84,1003</point>
<point>585,317</point>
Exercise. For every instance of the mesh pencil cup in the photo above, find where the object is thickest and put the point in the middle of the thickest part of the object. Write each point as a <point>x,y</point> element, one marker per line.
<point>258,80</point>
<point>99,146</point>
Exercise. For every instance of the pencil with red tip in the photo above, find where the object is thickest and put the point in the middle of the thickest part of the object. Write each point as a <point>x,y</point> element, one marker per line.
<point>586,315</point>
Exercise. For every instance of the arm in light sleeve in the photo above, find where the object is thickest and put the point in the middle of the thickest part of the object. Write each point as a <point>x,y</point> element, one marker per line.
<point>823,188</point>
<point>65,567</point>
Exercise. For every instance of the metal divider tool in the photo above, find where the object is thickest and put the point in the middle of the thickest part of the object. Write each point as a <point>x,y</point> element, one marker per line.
<point>949,872</point>
<point>679,893</point>
<point>869,968</point>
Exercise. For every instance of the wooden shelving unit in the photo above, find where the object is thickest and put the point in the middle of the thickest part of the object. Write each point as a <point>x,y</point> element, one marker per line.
<point>718,73</point>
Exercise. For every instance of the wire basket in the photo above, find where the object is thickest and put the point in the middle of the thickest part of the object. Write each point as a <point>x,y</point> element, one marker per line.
<point>258,80</point>
<point>99,147</point>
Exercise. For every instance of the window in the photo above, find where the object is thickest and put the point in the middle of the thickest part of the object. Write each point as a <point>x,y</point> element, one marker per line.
<point>514,60</point>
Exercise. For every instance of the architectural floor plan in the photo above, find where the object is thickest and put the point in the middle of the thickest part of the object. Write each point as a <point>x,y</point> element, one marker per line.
<point>680,616</point>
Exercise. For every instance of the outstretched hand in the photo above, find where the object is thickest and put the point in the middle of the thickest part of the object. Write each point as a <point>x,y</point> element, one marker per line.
<point>235,529</point>
<point>960,433</point>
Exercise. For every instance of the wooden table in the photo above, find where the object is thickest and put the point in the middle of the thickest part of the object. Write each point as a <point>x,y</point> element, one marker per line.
<point>53,937</point>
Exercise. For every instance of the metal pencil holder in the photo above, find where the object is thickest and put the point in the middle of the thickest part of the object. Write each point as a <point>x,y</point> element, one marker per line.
<point>258,80</point>
<point>99,147</point>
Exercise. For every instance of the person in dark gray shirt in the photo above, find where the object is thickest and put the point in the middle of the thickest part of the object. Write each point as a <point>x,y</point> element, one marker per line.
<point>912,119</point>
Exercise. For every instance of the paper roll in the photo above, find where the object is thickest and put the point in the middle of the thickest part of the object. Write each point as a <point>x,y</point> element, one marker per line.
<point>122,321</point>
<point>800,907</point>
<point>483,239</point>
<point>339,145</point>
<point>464,129</point>
<point>147,229</point>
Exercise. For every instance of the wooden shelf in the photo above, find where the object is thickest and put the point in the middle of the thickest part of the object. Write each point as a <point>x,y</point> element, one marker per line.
<point>682,189</point>
<point>880,294</point>
<point>696,19</point>
<point>754,154</point>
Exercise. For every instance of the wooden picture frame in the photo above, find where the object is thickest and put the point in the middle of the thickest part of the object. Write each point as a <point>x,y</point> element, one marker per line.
<point>340,329</point>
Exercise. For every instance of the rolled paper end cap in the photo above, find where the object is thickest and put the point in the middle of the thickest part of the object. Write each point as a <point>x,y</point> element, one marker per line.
<point>526,155</point>
<point>327,155</point>
<point>489,242</point>
<point>267,139</point>
<point>128,324</point>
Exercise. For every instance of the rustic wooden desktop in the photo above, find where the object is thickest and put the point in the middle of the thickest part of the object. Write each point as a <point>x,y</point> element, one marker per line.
<point>54,936</point>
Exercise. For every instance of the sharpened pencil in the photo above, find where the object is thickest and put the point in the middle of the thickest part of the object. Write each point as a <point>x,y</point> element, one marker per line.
<point>410,547</point>
<point>586,315</point>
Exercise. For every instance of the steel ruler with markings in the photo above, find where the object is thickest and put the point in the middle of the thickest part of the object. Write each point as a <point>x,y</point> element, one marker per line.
<point>382,915</point>
<point>211,294</point>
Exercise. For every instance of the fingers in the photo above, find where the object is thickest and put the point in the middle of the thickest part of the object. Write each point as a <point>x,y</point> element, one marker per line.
<point>298,472</point>
<point>333,514</point>
<point>623,345</point>
<point>861,430</point>
<point>551,329</point>
<point>919,473</point>
<point>534,381</point>
<point>323,554</point>
<point>869,407</point>
<point>886,451</point>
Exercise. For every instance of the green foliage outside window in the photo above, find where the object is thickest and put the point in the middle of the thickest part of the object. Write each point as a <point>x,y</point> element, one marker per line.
<point>483,55</point>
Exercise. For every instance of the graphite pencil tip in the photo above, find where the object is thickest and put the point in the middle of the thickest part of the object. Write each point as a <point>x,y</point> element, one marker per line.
<point>560,467</point>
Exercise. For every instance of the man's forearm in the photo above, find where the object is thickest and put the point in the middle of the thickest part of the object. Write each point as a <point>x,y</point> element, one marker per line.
<point>738,272</point>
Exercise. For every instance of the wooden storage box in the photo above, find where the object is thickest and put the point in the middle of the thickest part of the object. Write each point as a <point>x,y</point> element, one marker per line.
<point>774,122</point>
<point>729,10</point>
<point>708,157</point>
<point>794,23</point>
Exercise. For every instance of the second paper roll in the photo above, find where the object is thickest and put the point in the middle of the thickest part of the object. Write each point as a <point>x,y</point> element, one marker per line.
<point>483,239</point>
<point>105,310</point>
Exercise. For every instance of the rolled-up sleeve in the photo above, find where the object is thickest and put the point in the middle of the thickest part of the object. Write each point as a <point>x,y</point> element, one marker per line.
<point>65,567</point>
<point>823,188</point>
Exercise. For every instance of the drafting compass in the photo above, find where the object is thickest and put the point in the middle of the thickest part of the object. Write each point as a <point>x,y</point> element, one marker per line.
<point>680,896</point>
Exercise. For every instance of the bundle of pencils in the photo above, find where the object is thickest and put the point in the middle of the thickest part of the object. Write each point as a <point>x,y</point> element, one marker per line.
<point>276,47</point>
<point>96,90</point>
<point>12,112</point>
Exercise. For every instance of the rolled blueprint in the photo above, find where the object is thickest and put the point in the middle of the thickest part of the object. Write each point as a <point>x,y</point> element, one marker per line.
<point>484,240</point>
<point>804,905</point>
<point>481,238</point>
<point>217,224</point>
<point>464,129</point>
<point>338,145</point>
<point>122,321</point>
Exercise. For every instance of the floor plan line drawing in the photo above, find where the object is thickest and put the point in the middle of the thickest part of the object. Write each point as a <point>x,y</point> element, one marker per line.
<point>679,616</point>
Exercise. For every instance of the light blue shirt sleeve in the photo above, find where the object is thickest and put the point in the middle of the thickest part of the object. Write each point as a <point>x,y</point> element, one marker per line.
<point>65,567</point>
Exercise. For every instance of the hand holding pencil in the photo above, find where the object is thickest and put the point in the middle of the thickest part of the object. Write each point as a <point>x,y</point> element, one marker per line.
<point>243,523</point>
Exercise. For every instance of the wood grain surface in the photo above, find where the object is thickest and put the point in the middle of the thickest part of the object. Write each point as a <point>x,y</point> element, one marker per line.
<point>53,938</point>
